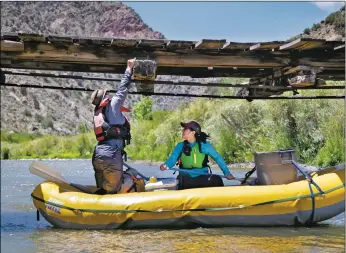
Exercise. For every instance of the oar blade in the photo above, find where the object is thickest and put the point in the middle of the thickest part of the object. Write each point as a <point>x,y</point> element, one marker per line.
<point>42,170</point>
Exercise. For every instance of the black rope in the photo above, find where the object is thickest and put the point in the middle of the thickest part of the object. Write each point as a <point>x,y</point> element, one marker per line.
<point>174,94</point>
<point>248,174</point>
<point>310,182</point>
<point>312,215</point>
<point>308,177</point>
<point>224,85</point>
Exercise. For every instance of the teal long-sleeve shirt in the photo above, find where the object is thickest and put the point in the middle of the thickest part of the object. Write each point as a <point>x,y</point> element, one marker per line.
<point>206,148</point>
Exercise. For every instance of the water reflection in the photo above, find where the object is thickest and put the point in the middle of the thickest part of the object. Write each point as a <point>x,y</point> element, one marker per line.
<point>323,238</point>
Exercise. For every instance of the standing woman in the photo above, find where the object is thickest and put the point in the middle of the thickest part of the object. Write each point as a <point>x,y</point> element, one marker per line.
<point>111,130</point>
<point>192,154</point>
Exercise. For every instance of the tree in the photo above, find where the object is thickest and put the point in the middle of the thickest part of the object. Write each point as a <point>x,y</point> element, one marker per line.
<point>143,109</point>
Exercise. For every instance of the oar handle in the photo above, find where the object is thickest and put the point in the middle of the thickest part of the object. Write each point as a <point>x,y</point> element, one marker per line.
<point>201,173</point>
<point>181,170</point>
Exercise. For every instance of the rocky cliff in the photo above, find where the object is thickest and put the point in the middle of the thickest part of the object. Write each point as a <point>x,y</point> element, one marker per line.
<point>62,112</point>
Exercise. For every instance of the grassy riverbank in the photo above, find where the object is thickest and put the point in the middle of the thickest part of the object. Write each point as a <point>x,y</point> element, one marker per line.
<point>315,128</point>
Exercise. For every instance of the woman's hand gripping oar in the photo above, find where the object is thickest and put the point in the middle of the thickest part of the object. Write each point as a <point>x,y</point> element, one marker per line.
<point>205,174</point>
<point>149,179</point>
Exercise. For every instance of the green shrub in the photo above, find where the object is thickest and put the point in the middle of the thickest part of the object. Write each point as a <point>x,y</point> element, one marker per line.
<point>47,122</point>
<point>84,146</point>
<point>307,31</point>
<point>332,150</point>
<point>17,137</point>
<point>82,128</point>
<point>143,109</point>
<point>5,153</point>
<point>315,128</point>
<point>27,112</point>
<point>316,26</point>
<point>338,20</point>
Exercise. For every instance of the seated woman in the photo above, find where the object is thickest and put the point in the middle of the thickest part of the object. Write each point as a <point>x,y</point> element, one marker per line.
<point>192,154</point>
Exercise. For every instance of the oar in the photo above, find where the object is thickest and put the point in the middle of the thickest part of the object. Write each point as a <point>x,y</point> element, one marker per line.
<point>129,167</point>
<point>42,170</point>
<point>144,177</point>
<point>201,173</point>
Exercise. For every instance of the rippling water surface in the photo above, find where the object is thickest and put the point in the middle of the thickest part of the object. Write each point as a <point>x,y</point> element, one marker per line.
<point>20,232</point>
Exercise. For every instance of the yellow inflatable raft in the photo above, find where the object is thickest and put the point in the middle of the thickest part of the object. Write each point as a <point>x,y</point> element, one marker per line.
<point>291,204</point>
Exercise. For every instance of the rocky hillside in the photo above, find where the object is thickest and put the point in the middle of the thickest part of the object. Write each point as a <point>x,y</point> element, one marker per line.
<point>106,19</point>
<point>62,112</point>
<point>331,28</point>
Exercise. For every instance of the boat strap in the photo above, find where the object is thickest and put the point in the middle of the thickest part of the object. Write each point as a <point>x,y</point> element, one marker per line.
<point>307,177</point>
<point>312,215</point>
<point>310,182</point>
<point>248,174</point>
<point>192,209</point>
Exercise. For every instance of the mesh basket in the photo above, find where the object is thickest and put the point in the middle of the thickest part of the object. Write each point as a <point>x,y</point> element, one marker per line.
<point>144,70</point>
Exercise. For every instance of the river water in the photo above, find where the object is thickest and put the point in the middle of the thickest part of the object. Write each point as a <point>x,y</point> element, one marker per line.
<point>20,232</point>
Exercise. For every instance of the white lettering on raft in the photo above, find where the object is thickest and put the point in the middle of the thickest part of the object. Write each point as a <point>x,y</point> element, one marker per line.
<point>54,208</point>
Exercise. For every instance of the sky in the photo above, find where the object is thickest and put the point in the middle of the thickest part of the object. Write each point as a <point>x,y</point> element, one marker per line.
<point>233,21</point>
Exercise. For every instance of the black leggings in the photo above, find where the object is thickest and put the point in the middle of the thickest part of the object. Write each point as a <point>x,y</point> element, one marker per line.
<point>187,182</point>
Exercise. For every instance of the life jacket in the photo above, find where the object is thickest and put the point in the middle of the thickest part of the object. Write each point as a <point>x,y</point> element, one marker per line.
<point>193,159</point>
<point>104,131</point>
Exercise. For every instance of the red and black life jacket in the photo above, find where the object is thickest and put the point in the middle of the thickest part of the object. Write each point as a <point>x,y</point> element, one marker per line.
<point>104,131</point>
